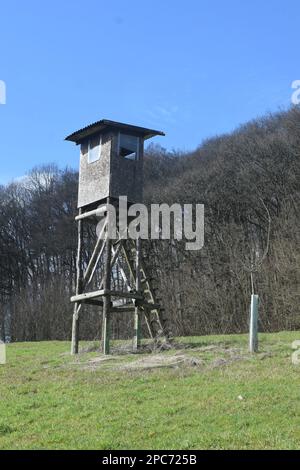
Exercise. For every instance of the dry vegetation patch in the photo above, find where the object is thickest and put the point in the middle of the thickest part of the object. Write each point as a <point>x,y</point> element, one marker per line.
<point>153,356</point>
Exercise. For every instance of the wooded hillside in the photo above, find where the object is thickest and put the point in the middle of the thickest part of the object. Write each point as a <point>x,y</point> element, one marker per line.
<point>249,182</point>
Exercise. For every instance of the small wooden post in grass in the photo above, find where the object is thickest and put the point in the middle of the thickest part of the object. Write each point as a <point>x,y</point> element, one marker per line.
<point>253,336</point>
<point>2,352</point>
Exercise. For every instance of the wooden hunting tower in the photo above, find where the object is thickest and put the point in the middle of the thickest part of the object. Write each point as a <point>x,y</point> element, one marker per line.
<point>111,165</point>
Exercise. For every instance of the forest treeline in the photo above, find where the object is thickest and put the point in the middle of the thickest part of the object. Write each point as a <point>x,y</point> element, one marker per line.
<point>249,183</point>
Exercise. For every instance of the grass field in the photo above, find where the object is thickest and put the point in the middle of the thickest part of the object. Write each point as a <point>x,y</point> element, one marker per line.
<point>208,393</point>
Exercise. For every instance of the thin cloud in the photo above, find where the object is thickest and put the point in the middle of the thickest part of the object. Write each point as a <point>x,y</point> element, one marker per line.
<point>166,114</point>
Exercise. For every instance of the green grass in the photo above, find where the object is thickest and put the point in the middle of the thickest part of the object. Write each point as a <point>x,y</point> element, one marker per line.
<point>49,400</point>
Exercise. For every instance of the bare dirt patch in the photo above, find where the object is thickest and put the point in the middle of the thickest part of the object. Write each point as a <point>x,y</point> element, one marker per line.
<point>155,361</point>
<point>175,355</point>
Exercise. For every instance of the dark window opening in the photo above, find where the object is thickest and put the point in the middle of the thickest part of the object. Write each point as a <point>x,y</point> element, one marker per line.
<point>129,147</point>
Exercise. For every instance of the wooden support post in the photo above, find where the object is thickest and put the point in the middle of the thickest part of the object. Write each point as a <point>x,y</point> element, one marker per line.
<point>137,312</point>
<point>106,298</point>
<point>75,323</point>
<point>253,336</point>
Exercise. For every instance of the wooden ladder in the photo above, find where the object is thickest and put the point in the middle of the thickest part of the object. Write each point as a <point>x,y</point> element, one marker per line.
<point>154,317</point>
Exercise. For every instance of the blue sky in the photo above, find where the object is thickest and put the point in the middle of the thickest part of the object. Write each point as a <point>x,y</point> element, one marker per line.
<point>193,68</point>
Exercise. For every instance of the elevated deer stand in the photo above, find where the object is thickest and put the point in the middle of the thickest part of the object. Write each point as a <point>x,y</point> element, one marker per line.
<point>111,165</point>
